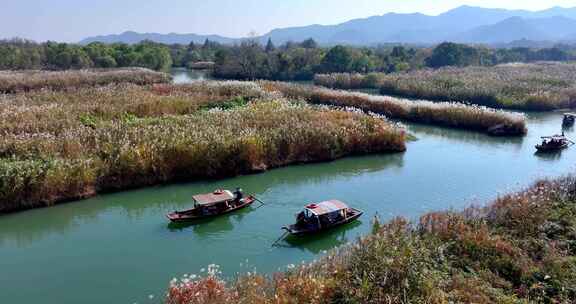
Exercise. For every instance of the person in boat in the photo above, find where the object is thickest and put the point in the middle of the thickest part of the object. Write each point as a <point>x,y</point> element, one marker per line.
<point>238,195</point>
<point>301,218</point>
<point>304,219</point>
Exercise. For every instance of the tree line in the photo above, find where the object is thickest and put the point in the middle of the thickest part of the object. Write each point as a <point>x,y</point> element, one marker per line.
<point>19,54</point>
<point>300,61</point>
<point>250,59</point>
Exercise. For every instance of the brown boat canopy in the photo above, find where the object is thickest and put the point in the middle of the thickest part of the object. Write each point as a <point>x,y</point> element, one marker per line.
<point>556,137</point>
<point>216,197</point>
<point>326,207</point>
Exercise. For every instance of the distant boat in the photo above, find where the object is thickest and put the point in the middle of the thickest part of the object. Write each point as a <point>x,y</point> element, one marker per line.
<point>553,143</point>
<point>212,204</point>
<point>568,120</point>
<point>322,216</point>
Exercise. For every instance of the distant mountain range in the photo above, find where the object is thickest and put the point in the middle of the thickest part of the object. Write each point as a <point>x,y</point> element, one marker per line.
<point>171,38</point>
<point>464,24</point>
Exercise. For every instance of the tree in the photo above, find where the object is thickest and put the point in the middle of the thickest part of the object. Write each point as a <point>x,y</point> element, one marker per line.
<point>250,58</point>
<point>338,59</point>
<point>452,54</point>
<point>399,52</point>
<point>105,61</point>
<point>309,44</point>
<point>153,56</point>
<point>363,64</point>
<point>270,46</point>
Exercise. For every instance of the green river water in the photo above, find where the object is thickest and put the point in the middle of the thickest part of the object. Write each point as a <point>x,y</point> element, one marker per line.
<point>119,248</point>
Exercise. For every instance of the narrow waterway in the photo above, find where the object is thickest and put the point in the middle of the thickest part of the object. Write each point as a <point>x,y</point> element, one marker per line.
<point>119,248</point>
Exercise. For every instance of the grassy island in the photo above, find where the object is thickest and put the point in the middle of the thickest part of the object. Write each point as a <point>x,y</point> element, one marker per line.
<point>24,81</point>
<point>65,145</point>
<point>542,86</point>
<point>448,114</point>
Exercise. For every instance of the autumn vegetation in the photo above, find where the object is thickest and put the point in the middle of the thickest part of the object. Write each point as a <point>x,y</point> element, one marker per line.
<point>519,249</point>
<point>542,86</point>
<point>23,81</point>
<point>60,145</point>
<point>448,114</point>
<point>72,134</point>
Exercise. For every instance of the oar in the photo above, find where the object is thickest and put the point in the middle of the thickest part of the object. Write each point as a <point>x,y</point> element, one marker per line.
<point>256,199</point>
<point>280,238</point>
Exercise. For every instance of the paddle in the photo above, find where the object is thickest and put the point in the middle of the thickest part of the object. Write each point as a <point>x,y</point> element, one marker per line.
<point>256,199</point>
<point>280,238</point>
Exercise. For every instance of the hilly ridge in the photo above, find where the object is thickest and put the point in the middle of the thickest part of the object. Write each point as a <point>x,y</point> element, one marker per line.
<point>463,24</point>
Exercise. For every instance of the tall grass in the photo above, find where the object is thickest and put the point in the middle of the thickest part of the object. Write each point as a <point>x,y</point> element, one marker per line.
<point>520,249</point>
<point>23,81</point>
<point>449,114</point>
<point>349,81</point>
<point>543,86</point>
<point>59,146</point>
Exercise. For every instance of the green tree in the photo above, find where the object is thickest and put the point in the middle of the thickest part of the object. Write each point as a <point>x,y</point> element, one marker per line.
<point>309,44</point>
<point>338,59</point>
<point>153,56</point>
<point>105,61</point>
<point>270,47</point>
<point>452,54</point>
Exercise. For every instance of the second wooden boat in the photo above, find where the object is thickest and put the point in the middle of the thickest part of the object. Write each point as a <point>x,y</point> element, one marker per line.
<point>322,216</point>
<point>553,143</point>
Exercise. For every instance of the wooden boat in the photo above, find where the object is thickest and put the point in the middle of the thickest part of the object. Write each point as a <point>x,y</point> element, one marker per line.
<point>322,216</point>
<point>212,204</point>
<point>568,120</point>
<point>553,143</point>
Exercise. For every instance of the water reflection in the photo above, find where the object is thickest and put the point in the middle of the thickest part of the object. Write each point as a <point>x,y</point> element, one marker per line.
<point>462,136</point>
<point>182,76</point>
<point>549,156</point>
<point>323,241</point>
<point>206,228</point>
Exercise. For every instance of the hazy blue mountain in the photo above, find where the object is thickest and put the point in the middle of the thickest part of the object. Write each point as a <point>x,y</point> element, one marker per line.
<point>556,11</point>
<point>457,23</point>
<point>517,28</point>
<point>134,37</point>
<point>465,24</point>
<point>511,29</point>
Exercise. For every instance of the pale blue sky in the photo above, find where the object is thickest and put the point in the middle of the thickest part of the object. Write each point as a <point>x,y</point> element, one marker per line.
<point>72,20</point>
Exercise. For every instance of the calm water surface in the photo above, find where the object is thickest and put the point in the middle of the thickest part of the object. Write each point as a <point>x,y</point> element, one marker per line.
<point>181,75</point>
<point>119,248</point>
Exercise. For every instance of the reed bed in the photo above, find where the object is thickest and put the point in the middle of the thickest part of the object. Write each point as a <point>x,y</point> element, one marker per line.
<point>541,86</point>
<point>24,81</point>
<point>519,249</point>
<point>59,146</point>
<point>349,81</point>
<point>448,114</point>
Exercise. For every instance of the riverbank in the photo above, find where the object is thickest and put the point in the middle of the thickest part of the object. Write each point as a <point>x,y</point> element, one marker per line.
<point>61,146</point>
<point>453,115</point>
<point>519,248</point>
<point>532,87</point>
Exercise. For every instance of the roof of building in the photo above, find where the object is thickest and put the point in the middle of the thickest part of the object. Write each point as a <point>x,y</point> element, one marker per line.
<point>326,207</point>
<point>218,196</point>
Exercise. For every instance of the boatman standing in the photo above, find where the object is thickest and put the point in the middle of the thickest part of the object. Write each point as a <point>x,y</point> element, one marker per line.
<point>238,194</point>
